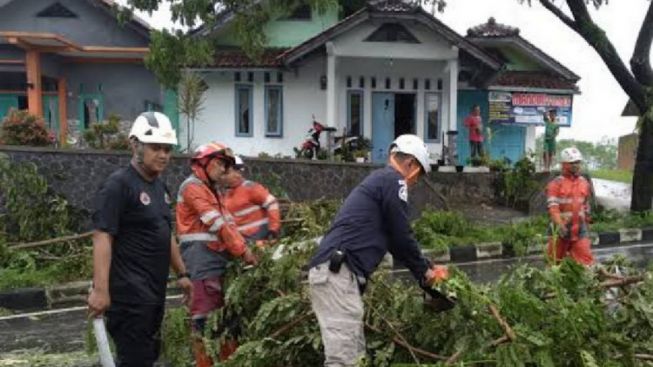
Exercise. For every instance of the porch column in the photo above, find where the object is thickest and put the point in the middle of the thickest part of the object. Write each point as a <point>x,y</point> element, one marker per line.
<point>63,110</point>
<point>452,65</point>
<point>331,112</point>
<point>34,93</point>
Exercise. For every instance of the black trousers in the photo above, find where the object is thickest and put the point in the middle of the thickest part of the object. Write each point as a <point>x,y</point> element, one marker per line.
<point>135,330</point>
<point>476,148</point>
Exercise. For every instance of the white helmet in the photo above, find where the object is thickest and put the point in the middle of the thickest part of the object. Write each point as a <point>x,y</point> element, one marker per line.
<point>239,163</point>
<point>569,155</point>
<point>153,127</point>
<point>413,145</point>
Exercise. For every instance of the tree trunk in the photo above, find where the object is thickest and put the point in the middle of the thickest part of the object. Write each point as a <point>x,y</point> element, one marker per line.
<point>643,175</point>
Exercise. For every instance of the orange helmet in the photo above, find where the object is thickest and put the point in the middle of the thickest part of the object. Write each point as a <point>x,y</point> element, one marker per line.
<point>205,152</point>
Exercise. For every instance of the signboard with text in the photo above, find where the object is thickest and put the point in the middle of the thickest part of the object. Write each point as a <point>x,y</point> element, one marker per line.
<point>528,108</point>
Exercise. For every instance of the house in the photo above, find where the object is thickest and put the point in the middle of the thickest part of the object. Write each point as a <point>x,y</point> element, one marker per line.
<point>387,69</point>
<point>73,63</point>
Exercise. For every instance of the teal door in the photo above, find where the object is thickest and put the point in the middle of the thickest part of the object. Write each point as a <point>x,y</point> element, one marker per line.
<point>51,112</point>
<point>504,141</point>
<point>6,102</point>
<point>383,125</point>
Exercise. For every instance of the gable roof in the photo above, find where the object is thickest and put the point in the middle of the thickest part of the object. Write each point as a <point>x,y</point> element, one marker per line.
<point>109,6</point>
<point>493,34</point>
<point>394,10</point>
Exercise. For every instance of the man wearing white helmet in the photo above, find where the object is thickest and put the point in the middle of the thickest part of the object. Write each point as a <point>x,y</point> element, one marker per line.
<point>569,210</point>
<point>372,221</point>
<point>133,246</point>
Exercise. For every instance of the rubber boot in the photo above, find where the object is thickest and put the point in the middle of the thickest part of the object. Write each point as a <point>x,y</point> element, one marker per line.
<point>227,348</point>
<point>199,352</point>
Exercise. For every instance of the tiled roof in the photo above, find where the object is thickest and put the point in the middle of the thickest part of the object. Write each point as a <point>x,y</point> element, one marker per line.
<point>394,5</point>
<point>233,58</point>
<point>492,29</point>
<point>532,79</point>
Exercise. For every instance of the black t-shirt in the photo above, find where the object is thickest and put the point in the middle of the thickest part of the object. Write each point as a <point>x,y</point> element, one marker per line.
<point>137,214</point>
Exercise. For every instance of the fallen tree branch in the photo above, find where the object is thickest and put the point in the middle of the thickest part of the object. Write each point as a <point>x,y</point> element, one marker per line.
<point>644,357</point>
<point>621,282</point>
<point>409,347</point>
<point>22,246</point>
<point>499,341</point>
<point>285,328</point>
<point>504,324</point>
<point>397,333</point>
<point>454,358</point>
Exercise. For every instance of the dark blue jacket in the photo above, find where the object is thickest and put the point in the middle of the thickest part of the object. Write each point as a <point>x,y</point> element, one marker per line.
<point>372,221</point>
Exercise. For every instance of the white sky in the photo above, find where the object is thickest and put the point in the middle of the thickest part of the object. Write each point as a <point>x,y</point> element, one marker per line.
<point>597,110</point>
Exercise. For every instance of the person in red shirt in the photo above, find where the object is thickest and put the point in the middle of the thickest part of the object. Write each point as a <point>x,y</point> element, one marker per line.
<point>474,123</point>
<point>254,209</point>
<point>569,209</point>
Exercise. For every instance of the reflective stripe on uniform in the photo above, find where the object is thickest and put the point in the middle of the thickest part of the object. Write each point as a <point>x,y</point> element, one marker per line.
<point>190,180</point>
<point>253,224</point>
<point>246,211</point>
<point>570,214</point>
<point>274,206</point>
<point>207,217</point>
<point>217,225</point>
<point>202,236</point>
<point>269,200</point>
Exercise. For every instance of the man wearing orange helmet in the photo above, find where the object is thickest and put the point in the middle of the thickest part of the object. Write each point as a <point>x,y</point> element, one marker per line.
<point>569,209</point>
<point>208,236</point>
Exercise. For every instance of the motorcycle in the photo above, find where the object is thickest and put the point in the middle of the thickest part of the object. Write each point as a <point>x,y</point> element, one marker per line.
<point>342,145</point>
<point>311,146</point>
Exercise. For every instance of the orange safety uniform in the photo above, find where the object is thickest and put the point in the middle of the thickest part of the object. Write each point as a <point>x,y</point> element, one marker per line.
<point>254,209</point>
<point>568,203</point>
<point>201,216</point>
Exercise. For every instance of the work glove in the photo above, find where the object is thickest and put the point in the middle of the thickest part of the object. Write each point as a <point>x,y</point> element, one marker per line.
<point>436,274</point>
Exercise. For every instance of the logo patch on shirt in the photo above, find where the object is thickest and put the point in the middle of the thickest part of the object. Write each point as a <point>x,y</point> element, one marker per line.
<point>403,191</point>
<point>145,198</point>
<point>167,199</point>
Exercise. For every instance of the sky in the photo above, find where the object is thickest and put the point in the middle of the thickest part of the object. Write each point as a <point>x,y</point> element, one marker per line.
<point>597,110</point>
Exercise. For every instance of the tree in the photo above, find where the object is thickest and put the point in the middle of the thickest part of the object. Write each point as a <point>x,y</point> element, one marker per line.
<point>637,82</point>
<point>191,102</point>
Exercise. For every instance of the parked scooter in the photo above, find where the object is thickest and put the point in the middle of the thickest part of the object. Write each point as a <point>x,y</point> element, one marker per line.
<point>310,147</point>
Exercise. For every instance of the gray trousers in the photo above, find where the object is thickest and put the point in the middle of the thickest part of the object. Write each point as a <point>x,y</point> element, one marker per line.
<point>338,305</point>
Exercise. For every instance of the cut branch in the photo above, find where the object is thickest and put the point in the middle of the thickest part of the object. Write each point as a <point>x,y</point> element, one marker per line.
<point>640,63</point>
<point>621,282</point>
<point>644,357</point>
<point>504,324</point>
<point>405,345</point>
<point>287,327</point>
<point>22,246</point>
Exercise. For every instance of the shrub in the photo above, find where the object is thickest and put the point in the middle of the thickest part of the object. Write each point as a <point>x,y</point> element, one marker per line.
<point>107,135</point>
<point>21,128</point>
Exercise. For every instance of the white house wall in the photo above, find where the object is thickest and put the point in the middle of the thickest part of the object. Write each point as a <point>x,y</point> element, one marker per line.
<point>302,98</point>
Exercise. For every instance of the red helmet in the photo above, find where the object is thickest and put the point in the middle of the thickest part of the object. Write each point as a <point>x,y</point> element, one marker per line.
<point>204,153</point>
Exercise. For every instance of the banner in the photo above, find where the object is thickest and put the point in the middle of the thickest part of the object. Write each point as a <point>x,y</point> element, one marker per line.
<point>528,108</point>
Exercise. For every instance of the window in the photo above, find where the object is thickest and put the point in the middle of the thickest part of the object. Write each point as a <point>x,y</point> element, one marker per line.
<point>273,111</point>
<point>392,32</point>
<point>433,115</point>
<point>244,107</point>
<point>355,113</point>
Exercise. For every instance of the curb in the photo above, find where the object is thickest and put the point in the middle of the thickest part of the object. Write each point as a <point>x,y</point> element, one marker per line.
<point>494,250</point>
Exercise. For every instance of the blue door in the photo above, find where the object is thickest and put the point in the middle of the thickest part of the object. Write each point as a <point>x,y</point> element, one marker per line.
<point>383,125</point>
<point>7,102</point>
